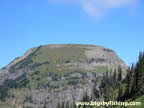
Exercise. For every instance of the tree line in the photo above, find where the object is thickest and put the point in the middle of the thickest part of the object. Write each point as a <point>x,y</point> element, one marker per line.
<point>114,87</point>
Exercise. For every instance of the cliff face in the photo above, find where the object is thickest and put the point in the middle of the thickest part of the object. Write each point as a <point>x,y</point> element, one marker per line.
<point>50,74</point>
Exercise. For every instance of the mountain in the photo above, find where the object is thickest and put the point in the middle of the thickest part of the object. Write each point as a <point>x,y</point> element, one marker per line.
<point>64,73</point>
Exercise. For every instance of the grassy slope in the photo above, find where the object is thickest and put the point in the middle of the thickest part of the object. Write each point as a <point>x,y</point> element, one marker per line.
<point>139,99</point>
<point>49,58</point>
<point>59,55</point>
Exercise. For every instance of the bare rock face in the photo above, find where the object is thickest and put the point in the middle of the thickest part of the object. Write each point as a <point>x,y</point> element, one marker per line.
<point>53,74</point>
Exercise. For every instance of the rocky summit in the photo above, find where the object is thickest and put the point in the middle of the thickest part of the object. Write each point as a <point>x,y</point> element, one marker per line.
<point>49,75</point>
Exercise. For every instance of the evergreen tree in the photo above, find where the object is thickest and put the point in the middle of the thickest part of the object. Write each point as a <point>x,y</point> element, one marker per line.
<point>133,80</point>
<point>114,78</point>
<point>140,74</point>
<point>3,93</point>
<point>119,74</point>
<point>120,93</point>
<point>127,90</point>
<point>136,77</point>
<point>106,85</point>
<point>86,97</point>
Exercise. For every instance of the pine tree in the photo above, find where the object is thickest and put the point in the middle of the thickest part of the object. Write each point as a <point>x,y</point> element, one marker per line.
<point>119,74</point>
<point>137,79</point>
<point>127,90</point>
<point>140,76</point>
<point>114,78</point>
<point>120,93</point>
<point>137,75</point>
<point>133,79</point>
<point>86,97</point>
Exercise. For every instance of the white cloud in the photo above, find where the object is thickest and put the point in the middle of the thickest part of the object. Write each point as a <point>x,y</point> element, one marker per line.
<point>98,8</point>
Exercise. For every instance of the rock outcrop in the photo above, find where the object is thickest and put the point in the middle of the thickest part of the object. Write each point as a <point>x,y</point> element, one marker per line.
<point>50,74</point>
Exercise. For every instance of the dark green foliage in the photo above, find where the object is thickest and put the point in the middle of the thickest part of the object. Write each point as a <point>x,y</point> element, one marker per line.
<point>96,60</point>
<point>12,69</point>
<point>120,93</point>
<point>25,63</point>
<point>134,80</point>
<point>35,65</point>
<point>55,77</point>
<point>11,83</point>
<point>12,95</point>
<point>38,78</point>
<point>67,61</point>
<point>109,84</point>
<point>3,92</point>
<point>20,82</point>
<point>140,74</point>
<point>128,86</point>
<point>36,72</point>
<point>53,86</point>
<point>108,50</point>
<point>66,105</point>
<point>28,99</point>
<point>96,93</point>
<point>72,82</point>
<point>86,98</point>
<point>27,107</point>
<point>115,78</point>
<point>46,62</point>
<point>138,77</point>
<point>119,74</point>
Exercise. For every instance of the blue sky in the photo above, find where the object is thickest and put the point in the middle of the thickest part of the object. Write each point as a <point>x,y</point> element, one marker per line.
<point>29,23</point>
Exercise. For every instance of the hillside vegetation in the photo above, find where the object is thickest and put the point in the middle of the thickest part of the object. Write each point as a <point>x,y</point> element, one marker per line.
<point>57,76</point>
